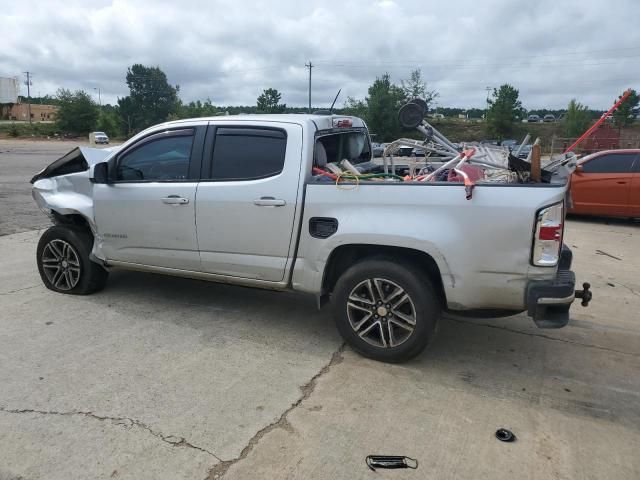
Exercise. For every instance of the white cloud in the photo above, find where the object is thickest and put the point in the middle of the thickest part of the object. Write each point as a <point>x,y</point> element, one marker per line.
<point>230,50</point>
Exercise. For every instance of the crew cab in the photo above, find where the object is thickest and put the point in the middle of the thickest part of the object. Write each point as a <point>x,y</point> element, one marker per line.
<point>246,200</point>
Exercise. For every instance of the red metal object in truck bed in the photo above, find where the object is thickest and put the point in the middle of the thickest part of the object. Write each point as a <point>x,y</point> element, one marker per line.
<point>474,173</point>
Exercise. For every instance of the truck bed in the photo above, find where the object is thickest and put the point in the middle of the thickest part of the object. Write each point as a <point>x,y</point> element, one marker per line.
<point>481,246</point>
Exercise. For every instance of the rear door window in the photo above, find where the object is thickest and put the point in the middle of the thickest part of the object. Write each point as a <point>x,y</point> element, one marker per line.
<point>610,163</point>
<point>248,153</point>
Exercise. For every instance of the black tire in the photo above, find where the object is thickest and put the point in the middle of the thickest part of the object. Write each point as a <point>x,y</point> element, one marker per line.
<point>423,303</point>
<point>64,264</point>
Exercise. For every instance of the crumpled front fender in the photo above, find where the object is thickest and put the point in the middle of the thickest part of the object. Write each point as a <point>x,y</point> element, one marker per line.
<point>69,195</point>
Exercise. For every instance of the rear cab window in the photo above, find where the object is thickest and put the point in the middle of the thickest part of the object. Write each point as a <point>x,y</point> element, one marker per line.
<point>334,146</point>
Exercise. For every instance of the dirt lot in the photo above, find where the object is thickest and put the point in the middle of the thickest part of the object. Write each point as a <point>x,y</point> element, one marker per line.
<point>159,377</point>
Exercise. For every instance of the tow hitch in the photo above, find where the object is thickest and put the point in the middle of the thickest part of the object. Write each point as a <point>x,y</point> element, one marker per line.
<point>585,294</point>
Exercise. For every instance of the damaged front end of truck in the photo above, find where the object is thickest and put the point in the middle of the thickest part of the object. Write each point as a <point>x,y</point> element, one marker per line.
<point>64,191</point>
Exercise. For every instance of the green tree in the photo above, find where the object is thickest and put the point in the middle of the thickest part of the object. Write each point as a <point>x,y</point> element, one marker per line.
<point>355,108</point>
<point>504,107</point>
<point>383,102</point>
<point>627,112</point>
<point>109,121</point>
<point>416,87</point>
<point>197,109</point>
<point>78,112</point>
<point>577,119</point>
<point>151,99</point>
<point>269,102</point>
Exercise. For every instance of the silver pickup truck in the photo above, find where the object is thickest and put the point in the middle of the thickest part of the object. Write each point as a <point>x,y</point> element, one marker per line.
<point>246,200</point>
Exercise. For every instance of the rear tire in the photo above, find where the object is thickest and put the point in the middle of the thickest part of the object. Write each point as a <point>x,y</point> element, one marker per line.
<point>64,263</point>
<point>385,310</point>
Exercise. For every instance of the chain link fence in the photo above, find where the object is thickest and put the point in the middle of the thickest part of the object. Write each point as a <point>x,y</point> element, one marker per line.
<point>590,145</point>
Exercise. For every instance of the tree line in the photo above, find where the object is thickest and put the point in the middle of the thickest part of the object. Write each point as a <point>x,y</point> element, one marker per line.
<point>504,109</point>
<point>152,99</point>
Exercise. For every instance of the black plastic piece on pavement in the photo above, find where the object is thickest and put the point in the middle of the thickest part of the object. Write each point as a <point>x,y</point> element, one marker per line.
<point>390,461</point>
<point>505,435</point>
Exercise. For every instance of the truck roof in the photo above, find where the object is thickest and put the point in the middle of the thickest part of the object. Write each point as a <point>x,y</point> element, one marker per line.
<point>322,122</point>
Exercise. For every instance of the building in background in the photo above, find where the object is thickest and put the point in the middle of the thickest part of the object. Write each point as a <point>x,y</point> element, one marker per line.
<point>12,109</point>
<point>9,90</point>
<point>39,113</point>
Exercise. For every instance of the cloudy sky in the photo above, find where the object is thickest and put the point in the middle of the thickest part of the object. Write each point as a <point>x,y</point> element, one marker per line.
<point>229,51</point>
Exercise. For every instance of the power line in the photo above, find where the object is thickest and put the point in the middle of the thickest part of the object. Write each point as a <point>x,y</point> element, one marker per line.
<point>521,57</point>
<point>220,73</point>
<point>467,65</point>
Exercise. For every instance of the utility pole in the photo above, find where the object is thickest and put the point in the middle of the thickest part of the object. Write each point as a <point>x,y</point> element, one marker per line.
<point>99,98</point>
<point>309,66</point>
<point>488,89</point>
<point>28,83</point>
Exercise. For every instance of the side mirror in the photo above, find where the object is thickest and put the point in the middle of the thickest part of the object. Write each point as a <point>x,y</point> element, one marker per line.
<point>101,173</point>
<point>579,168</point>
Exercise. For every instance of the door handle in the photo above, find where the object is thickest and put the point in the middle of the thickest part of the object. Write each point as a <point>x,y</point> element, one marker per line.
<point>269,202</point>
<point>175,200</point>
<point>621,183</point>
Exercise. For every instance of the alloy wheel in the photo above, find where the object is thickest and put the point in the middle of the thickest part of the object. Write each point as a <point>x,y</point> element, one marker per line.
<point>61,264</point>
<point>381,312</point>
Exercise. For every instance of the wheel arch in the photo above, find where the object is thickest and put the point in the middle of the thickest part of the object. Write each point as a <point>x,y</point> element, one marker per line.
<point>76,219</point>
<point>71,219</point>
<point>344,256</point>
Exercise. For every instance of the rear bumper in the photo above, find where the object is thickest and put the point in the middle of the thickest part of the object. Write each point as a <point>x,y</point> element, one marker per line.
<point>548,301</point>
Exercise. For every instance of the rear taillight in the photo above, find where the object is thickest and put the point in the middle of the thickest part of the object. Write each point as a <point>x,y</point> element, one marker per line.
<point>547,238</point>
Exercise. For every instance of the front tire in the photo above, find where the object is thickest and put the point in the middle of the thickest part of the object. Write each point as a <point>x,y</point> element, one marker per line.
<point>64,264</point>
<point>385,310</point>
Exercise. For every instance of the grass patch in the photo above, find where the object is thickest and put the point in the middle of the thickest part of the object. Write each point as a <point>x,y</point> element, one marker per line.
<point>18,130</point>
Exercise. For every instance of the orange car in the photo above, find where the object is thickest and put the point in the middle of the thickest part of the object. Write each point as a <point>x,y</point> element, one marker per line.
<point>607,183</point>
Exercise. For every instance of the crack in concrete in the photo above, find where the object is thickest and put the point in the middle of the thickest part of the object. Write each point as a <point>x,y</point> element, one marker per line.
<point>219,470</point>
<point>542,335</point>
<point>628,288</point>
<point>172,440</point>
<point>20,289</point>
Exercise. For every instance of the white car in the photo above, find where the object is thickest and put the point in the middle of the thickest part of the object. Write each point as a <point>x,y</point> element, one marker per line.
<point>100,138</point>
